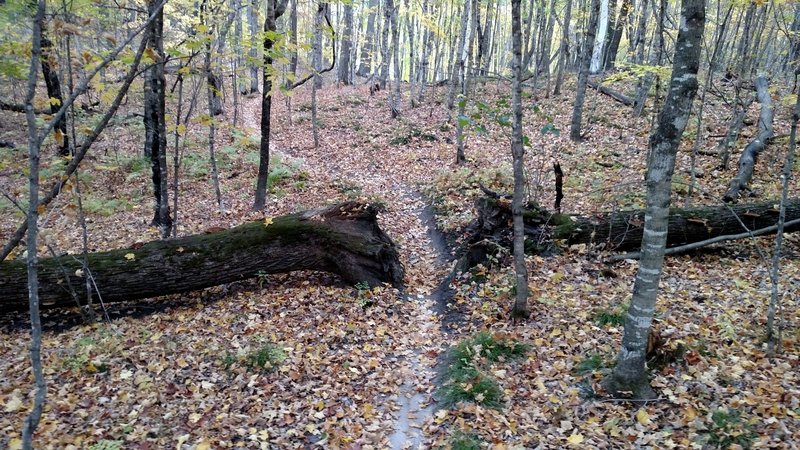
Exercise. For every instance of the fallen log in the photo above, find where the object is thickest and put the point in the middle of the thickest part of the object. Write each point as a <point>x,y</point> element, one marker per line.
<point>616,95</point>
<point>750,153</point>
<point>615,231</point>
<point>344,239</point>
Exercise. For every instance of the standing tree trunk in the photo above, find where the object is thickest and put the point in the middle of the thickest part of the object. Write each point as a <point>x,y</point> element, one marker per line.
<point>655,59</point>
<point>155,145</point>
<point>563,54</point>
<point>345,76</point>
<point>275,8</point>
<point>252,27</point>
<point>31,259</point>
<point>459,56</point>
<point>385,55</point>
<point>214,103</point>
<point>51,80</point>
<point>367,50</point>
<point>484,54</point>
<point>520,308</point>
<point>772,337</point>
<point>616,37</point>
<point>583,73</point>
<point>629,374</point>
<point>394,102</point>
<point>600,38</point>
<point>424,60</point>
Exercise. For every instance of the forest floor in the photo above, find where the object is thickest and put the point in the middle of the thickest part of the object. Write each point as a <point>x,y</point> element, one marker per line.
<point>304,361</point>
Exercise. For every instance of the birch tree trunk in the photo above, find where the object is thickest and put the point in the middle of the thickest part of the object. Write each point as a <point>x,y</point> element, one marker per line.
<point>394,103</point>
<point>600,38</point>
<point>629,375</point>
<point>388,5</point>
<point>520,309</point>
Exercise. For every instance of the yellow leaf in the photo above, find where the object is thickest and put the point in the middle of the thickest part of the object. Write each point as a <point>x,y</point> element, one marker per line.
<point>556,332</point>
<point>130,256</point>
<point>13,404</point>
<point>59,137</point>
<point>203,445</point>
<point>41,208</point>
<point>15,444</point>
<point>55,102</point>
<point>195,417</point>
<point>643,417</point>
<point>151,54</point>
<point>181,441</point>
<point>575,439</point>
<point>181,129</point>
<point>690,414</point>
<point>268,221</point>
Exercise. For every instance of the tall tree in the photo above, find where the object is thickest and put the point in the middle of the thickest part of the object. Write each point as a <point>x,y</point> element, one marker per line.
<point>252,28</point>
<point>600,37</point>
<point>520,308</point>
<point>629,374</point>
<point>388,7</point>
<point>563,54</point>
<point>460,57</point>
<point>656,54</point>
<point>275,9</point>
<point>155,144</point>
<point>368,48</point>
<point>40,390</point>
<point>616,34</point>
<point>583,72</point>
<point>344,73</point>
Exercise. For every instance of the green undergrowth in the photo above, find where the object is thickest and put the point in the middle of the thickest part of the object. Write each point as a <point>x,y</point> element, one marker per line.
<point>464,441</point>
<point>263,356</point>
<point>468,378</point>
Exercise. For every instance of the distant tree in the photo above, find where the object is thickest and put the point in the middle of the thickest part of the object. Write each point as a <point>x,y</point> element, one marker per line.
<point>252,28</point>
<point>583,72</point>
<point>344,74</point>
<point>629,375</point>
<point>368,48</point>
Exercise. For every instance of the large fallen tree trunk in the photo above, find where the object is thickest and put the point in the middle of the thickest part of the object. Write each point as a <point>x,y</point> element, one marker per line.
<point>750,153</point>
<point>617,231</point>
<point>343,239</point>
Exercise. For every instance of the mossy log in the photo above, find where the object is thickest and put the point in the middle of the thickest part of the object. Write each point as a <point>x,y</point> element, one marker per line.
<point>622,230</point>
<point>344,239</point>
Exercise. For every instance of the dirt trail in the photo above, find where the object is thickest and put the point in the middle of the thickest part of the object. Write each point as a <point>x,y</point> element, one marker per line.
<point>409,224</point>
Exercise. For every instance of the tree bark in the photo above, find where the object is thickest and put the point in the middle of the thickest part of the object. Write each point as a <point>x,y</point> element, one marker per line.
<point>252,27</point>
<point>750,153</point>
<point>275,8</point>
<point>616,37</point>
<point>629,376</point>
<point>367,50</point>
<point>583,72</point>
<point>520,308</point>
<point>344,239</point>
<point>54,95</point>
<point>345,76</point>
<point>154,119</point>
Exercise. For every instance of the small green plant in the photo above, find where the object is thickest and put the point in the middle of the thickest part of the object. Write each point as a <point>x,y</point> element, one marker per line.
<point>104,207</point>
<point>467,380</point>
<point>489,346</point>
<point>465,441</point>
<point>266,356</point>
<point>106,444</point>
<point>728,429</point>
<point>364,295</point>
<point>262,277</point>
<point>614,317</point>
<point>228,361</point>
<point>590,364</point>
